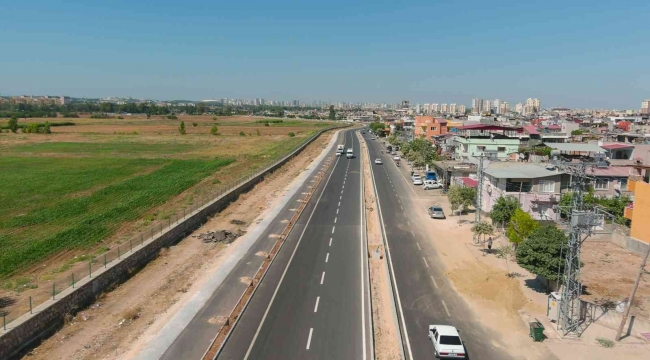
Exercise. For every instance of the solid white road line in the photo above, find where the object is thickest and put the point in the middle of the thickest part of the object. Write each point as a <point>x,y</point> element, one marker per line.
<point>418,244</point>
<point>447,310</point>
<point>362,244</point>
<point>434,281</point>
<point>425,261</point>
<point>317,301</point>
<point>333,227</point>
<point>327,257</point>
<point>322,278</point>
<point>330,241</point>
<point>311,331</point>
<point>268,307</point>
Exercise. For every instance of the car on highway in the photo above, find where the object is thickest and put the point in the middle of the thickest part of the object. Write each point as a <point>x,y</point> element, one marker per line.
<point>417,179</point>
<point>431,184</point>
<point>378,161</point>
<point>350,153</point>
<point>447,343</point>
<point>436,212</point>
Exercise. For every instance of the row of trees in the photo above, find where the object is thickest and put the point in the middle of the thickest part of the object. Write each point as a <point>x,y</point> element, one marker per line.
<point>420,152</point>
<point>31,128</point>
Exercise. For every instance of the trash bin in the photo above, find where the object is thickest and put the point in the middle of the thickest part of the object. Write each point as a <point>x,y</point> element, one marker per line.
<point>536,331</point>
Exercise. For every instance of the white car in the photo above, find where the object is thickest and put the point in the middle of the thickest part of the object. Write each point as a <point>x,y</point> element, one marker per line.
<point>396,158</point>
<point>447,344</point>
<point>417,180</point>
<point>431,184</point>
<point>378,161</point>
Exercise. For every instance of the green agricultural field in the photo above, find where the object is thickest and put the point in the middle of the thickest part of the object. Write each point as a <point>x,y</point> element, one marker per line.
<point>89,184</point>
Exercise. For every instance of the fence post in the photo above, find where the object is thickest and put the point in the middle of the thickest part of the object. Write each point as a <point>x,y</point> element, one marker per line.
<point>141,239</point>
<point>90,268</point>
<point>104,261</point>
<point>4,320</point>
<point>30,304</point>
<point>169,222</point>
<point>53,290</point>
<point>152,232</point>
<point>118,252</point>
<point>73,279</point>
<point>131,242</point>
<point>161,228</point>
<point>183,212</point>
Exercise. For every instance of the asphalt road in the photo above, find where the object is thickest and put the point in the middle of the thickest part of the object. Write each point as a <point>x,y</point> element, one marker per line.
<point>313,302</point>
<point>424,293</point>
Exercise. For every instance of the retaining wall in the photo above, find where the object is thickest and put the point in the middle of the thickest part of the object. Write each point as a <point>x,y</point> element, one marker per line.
<point>27,331</point>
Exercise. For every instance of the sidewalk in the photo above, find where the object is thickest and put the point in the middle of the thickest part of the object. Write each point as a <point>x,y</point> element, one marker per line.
<point>511,302</point>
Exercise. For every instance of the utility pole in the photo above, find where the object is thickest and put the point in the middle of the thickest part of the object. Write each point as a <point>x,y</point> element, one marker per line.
<point>479,192</point>
<point>629,302</point>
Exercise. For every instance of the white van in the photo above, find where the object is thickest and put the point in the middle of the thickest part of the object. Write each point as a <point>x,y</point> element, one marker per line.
<point>350,153</point>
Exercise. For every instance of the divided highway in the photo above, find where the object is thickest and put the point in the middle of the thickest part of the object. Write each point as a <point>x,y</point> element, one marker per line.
<point>314,301</point>
<point>424,294</point>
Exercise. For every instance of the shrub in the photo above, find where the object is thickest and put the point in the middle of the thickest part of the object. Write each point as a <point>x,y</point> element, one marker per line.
<point>32,128</point>
<point>120,118</point>
<point>172,117</point>
<point>291,134</point>
<point>13,124</point>
<point>241,133</point>
<point>214,118</point>
<point>46,128</point>
<point>266,124</point>
<point>195,124</point>
<point>181,128</point>
<point>214,130</point>
<point>258,132</point>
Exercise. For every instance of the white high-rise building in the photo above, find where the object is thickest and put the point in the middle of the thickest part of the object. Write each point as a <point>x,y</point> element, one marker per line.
<point>487,106</point>
<point>462,109</point>
<point>417,108</point>
<point>504,108</point>
<point>477,105</point>
<point>645,107</point>
<point>444,109</point>
<point>435,108</point>
<point>497,106</point>
<point>452,109</point>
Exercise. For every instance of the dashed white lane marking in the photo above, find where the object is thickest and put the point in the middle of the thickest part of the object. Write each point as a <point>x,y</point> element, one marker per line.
<point>333,227</point>
<point>425,261</point>
<point>402,207</point>
<point>339,203</point>
<point>343,187</point>
<point>341,191</point>
<point>327,257</point>
<point>337,211</point>
<point>322,278</point>
<point>412,233</point>
<point>330,242</point>
<point>447,310</point>
<point>434,281</point>
<point>341,197</point>
<point>418,244</point>
<point>317,301</point>
<point>311,331</point>
<point>335,219</point>
<point>399,201</point>
<point>408,222</point>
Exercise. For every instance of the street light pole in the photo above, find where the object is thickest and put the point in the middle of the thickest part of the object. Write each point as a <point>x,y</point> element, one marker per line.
<point>629,302</point>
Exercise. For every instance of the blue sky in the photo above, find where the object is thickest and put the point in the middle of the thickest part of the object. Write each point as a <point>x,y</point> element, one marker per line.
<point>567,53</point>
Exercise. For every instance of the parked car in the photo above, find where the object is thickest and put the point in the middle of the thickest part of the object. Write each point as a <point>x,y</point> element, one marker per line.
<point>378,161</point>
<point>417,180</point>
<point>431,184</point>
<point>447,343</point>
<point>393,153</point>
<point>396,158</point>
<point>373,138</point>
<point>436,212</point>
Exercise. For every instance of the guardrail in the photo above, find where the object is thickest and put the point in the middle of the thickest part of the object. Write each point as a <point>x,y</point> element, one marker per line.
<point>43,320</point>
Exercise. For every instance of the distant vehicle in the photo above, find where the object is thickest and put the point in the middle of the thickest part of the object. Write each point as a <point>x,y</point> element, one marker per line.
<point>431,184</point>
<point>350,153</point>
<point>389,148</point>
<point>417,180</point>
<point>378,161</point>
<point>396,158</point>
<point>339,150</point>
<point>393,152</point>
<point>431,175</point>
<point>363,132</point>
<point>436,212</point>
<point>373,138</point>
<point>447,344</point>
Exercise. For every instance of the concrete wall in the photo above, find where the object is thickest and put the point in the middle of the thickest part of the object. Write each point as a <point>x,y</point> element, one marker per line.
<point>640,224</point>
<point>25,332</point>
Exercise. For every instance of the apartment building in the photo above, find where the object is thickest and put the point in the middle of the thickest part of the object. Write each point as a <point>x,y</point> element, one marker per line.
<point>428,126</point>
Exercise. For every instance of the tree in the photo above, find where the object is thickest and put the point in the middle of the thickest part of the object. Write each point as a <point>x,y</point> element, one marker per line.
<point>46,128</point>
<point>181,128</point>
<point>377,127</point>
<point>483,228</point>
<point>332,115</point>
<point>461,197</point>
<point>504,209</point>
<point>13,124</point>
<point>577,132</point>
<point>521,226</point>
<point>214,130</point>
<point>544,253</point>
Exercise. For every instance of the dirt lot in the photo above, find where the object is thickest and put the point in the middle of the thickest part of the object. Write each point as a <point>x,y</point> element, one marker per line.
<point>609,273</point>
<point>119,323</point>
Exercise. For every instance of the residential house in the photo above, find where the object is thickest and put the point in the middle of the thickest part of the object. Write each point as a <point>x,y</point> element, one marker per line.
<point>639,210</point>
<point>428,126</point>
<point>537,187</point>
<point>479,139</point>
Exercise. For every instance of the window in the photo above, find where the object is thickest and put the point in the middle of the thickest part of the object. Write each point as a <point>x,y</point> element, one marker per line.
<point>518,186</point>
<point>450,340</point>
<point>547,186</point>
<point>480,148</point>
<point>601,184</point>
<point>502,149</point>
<point>623,183</point>
<point>433,128</point>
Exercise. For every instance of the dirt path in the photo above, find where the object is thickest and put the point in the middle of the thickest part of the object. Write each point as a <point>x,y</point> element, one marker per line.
<point>123,319</point>
<point>387,337</point>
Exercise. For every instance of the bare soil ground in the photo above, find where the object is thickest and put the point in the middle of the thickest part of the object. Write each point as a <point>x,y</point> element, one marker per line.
<point>120,322</point>
<point>609,273</point>
<point>387,337</point>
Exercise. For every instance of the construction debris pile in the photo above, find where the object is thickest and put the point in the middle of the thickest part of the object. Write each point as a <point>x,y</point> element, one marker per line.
<point>224,236</point>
